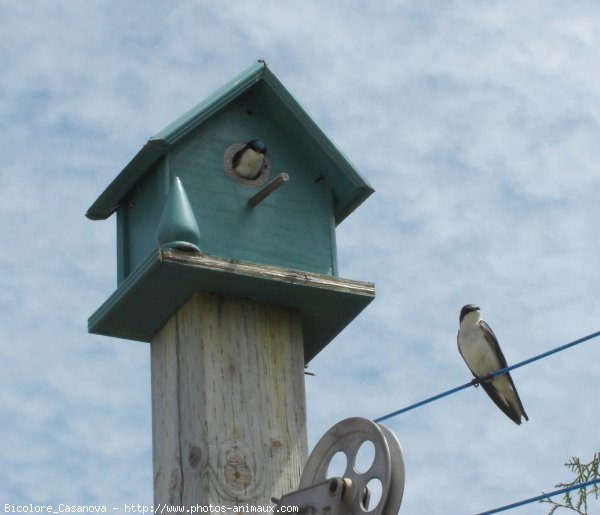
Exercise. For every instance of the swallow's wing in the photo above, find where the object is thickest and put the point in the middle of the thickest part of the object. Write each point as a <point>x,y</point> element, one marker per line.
<point>490,337</point>
<point>500,401</point>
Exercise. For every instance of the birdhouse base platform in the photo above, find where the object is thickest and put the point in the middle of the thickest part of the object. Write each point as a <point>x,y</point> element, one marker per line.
<point>147,298</point>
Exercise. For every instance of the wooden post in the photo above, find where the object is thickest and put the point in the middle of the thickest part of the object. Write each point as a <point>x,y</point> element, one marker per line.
<point>228,403</point>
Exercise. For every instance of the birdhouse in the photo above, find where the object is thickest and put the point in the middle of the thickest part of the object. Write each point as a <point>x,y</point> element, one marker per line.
<point>241,196</point>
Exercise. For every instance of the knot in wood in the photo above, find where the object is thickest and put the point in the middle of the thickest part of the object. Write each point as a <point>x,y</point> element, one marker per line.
<point>195,456</point>
<point>238,474</point>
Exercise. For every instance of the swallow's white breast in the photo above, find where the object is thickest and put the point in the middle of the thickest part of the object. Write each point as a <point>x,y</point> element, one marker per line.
<point>250,163</point>
<point>476,351</point>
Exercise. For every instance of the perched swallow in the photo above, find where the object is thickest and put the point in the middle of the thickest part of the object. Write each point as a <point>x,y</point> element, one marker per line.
<point>479,348</point>
<point>248,161</point>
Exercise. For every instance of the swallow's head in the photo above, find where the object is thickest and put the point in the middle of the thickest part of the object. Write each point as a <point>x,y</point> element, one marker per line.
<point>468,308</point>
<point>258,146</point>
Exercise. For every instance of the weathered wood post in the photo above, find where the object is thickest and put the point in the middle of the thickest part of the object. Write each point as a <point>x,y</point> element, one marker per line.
<point>235,297</point>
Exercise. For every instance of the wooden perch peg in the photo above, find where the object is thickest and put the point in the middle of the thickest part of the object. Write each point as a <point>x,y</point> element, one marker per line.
<point>268,189</point>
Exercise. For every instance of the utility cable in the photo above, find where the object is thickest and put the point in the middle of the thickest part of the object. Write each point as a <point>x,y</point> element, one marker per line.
<point>540,497</point>
<point>497,373</point>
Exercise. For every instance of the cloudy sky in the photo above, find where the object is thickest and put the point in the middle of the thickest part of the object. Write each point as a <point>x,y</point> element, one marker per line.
<point>478,125</point>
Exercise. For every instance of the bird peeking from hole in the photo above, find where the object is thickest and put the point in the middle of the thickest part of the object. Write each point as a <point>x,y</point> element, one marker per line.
<point>248,162</point>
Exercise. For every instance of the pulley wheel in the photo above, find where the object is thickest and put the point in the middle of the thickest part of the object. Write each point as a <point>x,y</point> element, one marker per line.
<point>387,466</point>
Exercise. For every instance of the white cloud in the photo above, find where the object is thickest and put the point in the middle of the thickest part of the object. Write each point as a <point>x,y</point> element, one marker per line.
<point>476,124</point>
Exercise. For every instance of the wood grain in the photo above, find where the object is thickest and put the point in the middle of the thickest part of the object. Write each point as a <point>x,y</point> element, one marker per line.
<point>228,402</point>
<point>263,271</point>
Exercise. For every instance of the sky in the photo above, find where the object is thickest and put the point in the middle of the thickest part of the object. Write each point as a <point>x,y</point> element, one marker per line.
<point>477,123</point>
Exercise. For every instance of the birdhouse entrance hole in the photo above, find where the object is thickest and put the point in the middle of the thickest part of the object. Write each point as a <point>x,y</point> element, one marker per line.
<point>262,177</point>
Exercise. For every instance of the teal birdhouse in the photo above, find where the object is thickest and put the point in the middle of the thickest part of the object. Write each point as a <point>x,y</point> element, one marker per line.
<point>244,179</point>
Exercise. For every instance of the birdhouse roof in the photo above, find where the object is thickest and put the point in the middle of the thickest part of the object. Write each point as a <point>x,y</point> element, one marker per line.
<point>349,188</point>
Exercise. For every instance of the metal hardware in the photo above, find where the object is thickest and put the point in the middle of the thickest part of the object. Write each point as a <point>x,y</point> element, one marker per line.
<point>350,494</point>
<point>325,497</point>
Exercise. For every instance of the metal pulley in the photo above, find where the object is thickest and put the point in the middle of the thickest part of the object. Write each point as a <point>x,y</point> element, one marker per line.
<point>352,493</point>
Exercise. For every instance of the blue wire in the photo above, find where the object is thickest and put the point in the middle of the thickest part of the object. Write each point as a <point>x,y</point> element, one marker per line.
<point>540,497</point>
<point>491,376</point>
<point>426,401</point>
<point>545,354</point>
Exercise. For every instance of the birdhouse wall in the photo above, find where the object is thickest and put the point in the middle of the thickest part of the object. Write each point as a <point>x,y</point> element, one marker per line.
<point>137,219</point>
<point>294,227</point>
